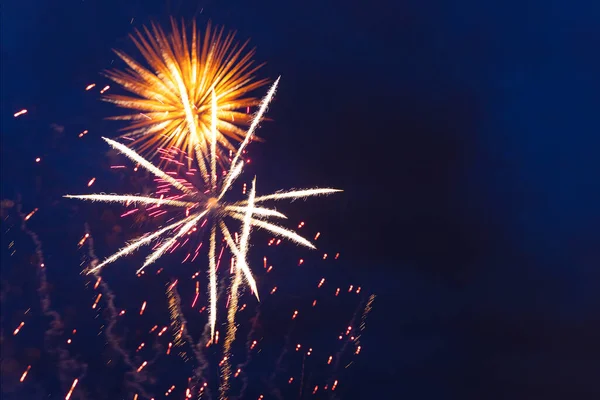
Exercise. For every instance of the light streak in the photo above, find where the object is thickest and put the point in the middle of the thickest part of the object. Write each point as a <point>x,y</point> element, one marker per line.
<point>18,329</point>
<point>24,375</point>
<point>68,396</point>
<point>141,367</point>
<point>97,300</point>
<point>28,216</point>
<point>19,113</point>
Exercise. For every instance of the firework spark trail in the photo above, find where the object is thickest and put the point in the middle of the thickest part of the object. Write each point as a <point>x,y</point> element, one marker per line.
<point>136,243</point>
<point>338,356</point>
<point>276,230</point>
<point>132,199</point>
<point>263,108</point>
<point>272,385</point>
<point>292,194</point>
<point>135,157</point>
<point>134,379</point>
<point>207,339</point>
<point>212,277</point>
<point>67,366</point>
<point>230,337</point>
<point>165,246</point>
<point>241,367</point>
<point>213,142</point>
<point>240,258</point>
<point>363,318</point>
<point>197,349</point>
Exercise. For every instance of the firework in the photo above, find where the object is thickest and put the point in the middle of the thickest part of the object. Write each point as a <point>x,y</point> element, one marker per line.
<point>209,205</point>
<point>171,95</point>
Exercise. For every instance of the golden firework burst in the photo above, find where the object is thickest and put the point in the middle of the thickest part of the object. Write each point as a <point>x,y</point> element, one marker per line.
<point>171,94</point>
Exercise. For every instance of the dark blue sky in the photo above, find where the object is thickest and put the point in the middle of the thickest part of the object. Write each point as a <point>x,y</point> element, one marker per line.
<point>464,133</point>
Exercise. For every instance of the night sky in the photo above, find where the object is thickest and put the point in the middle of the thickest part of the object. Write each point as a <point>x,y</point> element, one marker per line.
<point>464,134</point>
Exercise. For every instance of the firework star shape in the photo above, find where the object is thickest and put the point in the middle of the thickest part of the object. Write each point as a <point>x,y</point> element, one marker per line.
<point>211,205</point>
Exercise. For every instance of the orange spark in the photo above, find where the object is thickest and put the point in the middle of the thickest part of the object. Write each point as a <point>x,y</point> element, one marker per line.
<point>25,373</point>
<point>68,396</point>
<point>142,366</point>
<point>31,215</point>
<point>19,113</point>
<point>90,86</point>
<point>97,300</point>
<point>18,328</point>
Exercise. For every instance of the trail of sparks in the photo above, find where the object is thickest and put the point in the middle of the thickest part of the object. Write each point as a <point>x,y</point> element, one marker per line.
<point>135,379</point>
<point>67,366</point>
<point>230,336</point>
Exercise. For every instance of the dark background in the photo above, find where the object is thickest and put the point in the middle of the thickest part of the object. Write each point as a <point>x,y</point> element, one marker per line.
<point>465,136</point>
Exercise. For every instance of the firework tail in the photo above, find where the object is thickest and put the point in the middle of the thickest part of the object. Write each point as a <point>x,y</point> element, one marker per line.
<point>205,339</point>
<point>231,331</point>
<point>242,366</point>
<point>68,368</point>
<point>197,349</point>
<point>134,380</point>
<point>367,307</point>
<point>272,385</point>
